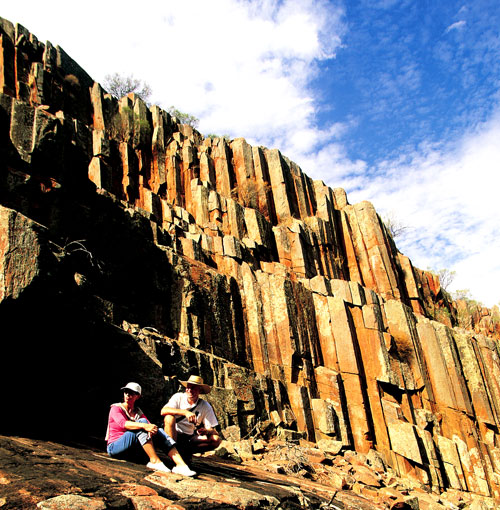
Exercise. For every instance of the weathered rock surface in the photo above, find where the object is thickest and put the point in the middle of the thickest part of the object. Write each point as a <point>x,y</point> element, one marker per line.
<point>131,248</point>
<point>54,476</point>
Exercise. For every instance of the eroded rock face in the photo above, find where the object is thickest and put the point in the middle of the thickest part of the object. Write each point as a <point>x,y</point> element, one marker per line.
<point>131,248</point>
<point>52,476</point>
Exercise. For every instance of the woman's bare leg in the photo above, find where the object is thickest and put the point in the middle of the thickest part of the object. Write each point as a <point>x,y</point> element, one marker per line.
<point>176,457</point>
<point>151,452</point>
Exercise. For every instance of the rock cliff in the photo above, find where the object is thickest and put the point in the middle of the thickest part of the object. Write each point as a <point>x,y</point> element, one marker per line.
<point>133,248</point>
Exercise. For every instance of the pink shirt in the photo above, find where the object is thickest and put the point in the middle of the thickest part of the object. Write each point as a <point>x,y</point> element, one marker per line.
<point>116,422</point>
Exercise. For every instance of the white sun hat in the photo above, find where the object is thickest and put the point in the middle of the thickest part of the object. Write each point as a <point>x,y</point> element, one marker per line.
<point>133,386</point>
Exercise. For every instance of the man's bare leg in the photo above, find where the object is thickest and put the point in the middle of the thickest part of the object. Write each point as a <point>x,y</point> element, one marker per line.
<point>211,442</point>
<point>169,426</point>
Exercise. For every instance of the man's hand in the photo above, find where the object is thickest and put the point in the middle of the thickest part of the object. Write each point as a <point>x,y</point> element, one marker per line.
<point>191,417</point>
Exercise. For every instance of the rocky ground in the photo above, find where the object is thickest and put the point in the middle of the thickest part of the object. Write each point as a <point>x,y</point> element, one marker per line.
<point>244,474</point>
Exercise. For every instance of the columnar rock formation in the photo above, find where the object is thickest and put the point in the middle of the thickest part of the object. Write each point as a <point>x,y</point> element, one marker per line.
<point>132,247</point>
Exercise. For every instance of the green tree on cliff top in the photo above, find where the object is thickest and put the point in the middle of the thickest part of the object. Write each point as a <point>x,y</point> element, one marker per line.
<point>183,118</point>
<point>119,86</point>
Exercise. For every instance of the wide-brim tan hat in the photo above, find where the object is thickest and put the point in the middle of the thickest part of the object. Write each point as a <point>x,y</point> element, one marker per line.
<point>196,380</point>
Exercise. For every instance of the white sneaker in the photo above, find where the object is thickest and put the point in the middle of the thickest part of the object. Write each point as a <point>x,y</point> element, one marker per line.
<point>158,466</point>
<point>183,470</point>
<point>199,439</point>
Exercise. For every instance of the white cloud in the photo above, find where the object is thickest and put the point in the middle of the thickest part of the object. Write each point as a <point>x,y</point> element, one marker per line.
<point>456,26</point>
<point>243,67</point>
<point>448,195</point>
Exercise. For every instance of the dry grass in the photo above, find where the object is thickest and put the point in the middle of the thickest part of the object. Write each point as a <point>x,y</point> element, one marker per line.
<point>292,457</point>
<point>404,348</point>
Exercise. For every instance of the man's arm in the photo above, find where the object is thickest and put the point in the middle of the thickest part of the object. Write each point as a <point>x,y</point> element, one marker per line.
<point>173,411</point>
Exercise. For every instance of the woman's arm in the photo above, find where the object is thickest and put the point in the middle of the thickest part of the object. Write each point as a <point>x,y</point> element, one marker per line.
<point>137,425</point>
<point>118,421</point>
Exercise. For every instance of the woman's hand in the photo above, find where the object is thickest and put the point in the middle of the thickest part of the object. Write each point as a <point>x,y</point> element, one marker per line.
<point>151,428</point>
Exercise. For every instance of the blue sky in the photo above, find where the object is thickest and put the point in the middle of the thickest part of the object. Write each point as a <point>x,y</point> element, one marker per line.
<point>395,101</point>
<point>411,73</point>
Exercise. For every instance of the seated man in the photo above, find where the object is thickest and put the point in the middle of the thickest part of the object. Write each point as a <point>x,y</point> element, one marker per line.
<point>190,420</point>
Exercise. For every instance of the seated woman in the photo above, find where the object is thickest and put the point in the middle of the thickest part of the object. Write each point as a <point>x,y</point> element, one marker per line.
<point>129,429</point>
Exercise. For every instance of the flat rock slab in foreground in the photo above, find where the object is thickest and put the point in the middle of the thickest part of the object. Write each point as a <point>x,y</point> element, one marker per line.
<point>53,476</point>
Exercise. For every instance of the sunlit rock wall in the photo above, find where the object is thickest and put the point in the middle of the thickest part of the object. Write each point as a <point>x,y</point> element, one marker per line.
<point>133,248</point>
